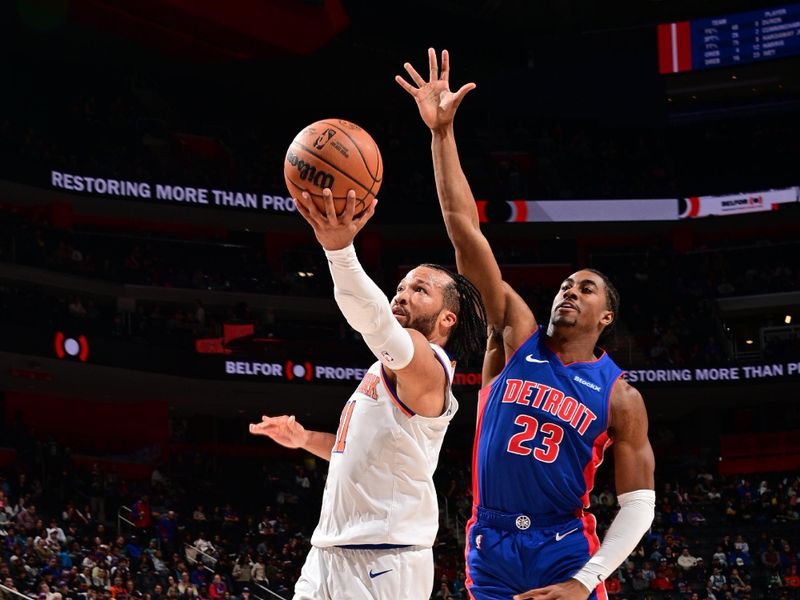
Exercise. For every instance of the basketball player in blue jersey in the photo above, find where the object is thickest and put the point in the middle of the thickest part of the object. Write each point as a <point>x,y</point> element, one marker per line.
<point>379,513</point>
<point>553,402</point>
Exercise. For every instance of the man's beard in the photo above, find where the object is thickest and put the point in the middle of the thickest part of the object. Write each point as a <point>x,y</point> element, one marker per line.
<point>563,321</point>
<point>423,324</point>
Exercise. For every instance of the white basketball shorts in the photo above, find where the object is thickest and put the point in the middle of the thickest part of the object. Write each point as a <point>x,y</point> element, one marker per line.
<point>366,574</point>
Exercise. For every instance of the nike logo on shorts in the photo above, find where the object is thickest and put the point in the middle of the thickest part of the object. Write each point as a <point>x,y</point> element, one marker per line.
<point>374,575</point>
<point>530,358</point>
<point>561,536</point>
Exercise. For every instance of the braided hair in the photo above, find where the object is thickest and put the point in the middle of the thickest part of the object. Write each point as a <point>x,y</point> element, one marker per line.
<point>464,299</point>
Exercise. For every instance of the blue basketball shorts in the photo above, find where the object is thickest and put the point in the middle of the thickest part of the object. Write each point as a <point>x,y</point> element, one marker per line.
<point>508,554</point>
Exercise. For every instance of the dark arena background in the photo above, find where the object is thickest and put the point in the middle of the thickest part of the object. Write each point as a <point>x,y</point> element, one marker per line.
<point>158,292</point>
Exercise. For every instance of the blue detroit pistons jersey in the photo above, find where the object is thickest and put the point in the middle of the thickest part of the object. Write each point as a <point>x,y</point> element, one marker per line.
<point>542,431</point>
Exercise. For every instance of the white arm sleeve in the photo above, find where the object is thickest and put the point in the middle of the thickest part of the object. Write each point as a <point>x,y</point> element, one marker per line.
<point>367,310</point>
<point>634,518</point>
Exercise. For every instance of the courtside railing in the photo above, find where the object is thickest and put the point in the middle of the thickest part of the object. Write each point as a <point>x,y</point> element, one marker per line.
<point>266,590</point>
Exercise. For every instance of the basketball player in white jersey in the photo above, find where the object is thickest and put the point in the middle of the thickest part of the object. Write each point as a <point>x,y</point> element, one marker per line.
<point>379,514</point>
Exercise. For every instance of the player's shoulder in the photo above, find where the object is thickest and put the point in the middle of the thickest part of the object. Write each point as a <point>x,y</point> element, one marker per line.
<point>627,403</point>
<point>624,396</point>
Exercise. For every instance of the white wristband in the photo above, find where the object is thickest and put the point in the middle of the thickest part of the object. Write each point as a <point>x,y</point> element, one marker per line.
<point>634,518</point>
<point>367,309</point>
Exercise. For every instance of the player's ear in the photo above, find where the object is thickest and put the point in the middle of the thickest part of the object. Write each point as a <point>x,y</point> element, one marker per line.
<point>607,318</point>
<point>448,318</point>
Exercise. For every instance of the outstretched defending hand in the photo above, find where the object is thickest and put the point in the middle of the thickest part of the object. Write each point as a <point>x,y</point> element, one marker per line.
<point>334,233</point>
<point>437,104</point>
<point>285,430</point>
<point>572,589</point>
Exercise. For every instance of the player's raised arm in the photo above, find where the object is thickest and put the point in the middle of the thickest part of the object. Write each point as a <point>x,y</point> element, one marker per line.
<point>506,311</point>
<point>420,377</point>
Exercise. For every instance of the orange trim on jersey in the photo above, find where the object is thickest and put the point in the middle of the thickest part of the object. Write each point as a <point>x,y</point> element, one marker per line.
<point>399,403</point>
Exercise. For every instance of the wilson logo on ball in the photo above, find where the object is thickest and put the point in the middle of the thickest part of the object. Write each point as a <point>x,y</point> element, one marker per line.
<point>308,172</point>
<point>324,138</point>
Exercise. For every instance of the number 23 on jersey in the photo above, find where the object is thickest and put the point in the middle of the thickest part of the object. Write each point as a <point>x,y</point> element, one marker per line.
<point>550,438</point>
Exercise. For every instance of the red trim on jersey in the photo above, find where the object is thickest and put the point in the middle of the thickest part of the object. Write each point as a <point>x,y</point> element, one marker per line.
<point>470,523</point>
<point>601,442</point>
<point>597,359</point>
<point>590,533</point>
<point>483,398</point>
<point>405,410</point>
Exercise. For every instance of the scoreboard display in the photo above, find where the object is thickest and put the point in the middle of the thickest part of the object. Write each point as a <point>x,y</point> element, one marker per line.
<point>729,40</point>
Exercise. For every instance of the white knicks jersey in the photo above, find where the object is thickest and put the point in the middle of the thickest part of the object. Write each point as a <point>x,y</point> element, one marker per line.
<point>380,480</point>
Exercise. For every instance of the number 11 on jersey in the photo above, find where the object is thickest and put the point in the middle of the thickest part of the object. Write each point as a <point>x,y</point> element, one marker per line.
<point>344,425</point>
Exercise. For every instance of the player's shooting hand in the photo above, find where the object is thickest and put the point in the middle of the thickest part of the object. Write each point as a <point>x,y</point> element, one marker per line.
<point>572,589</point>
<point>285,430</point>
<point>437,104</point>
<point>334,233</point>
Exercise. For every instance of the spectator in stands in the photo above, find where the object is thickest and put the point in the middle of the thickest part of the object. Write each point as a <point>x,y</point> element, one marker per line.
<point>613,585</point>
<point>8,582</point>
<point>686,561</point>
<point>443,591</point>
<point>60,537</point>
<point>639,583</point>
<point>259,571</point>
<point>661,582</point>
<point>717,581</point>
<point>720,558</point>
<point>242,573</point>
<point>142,514</point>
<point>786,556</point>
<point>186,589</point>
<point>792,579</point>
<point>217,589</point>
<point>199,576</point>
<point>118,588</point>
<point>770,558</point>
<point>26,519</point>
<point>199,515</point>
<point>738,583</point>
<point>168,530</point>
<point>774,580</point>
<point>100,576</point>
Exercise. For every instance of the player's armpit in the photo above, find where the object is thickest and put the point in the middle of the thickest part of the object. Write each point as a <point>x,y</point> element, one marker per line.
<point>421,385</point>
<point>634,463</point>
<point>518,321</point>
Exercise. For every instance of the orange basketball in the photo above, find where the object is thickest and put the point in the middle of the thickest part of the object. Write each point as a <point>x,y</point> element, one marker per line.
<point>336,154</point>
